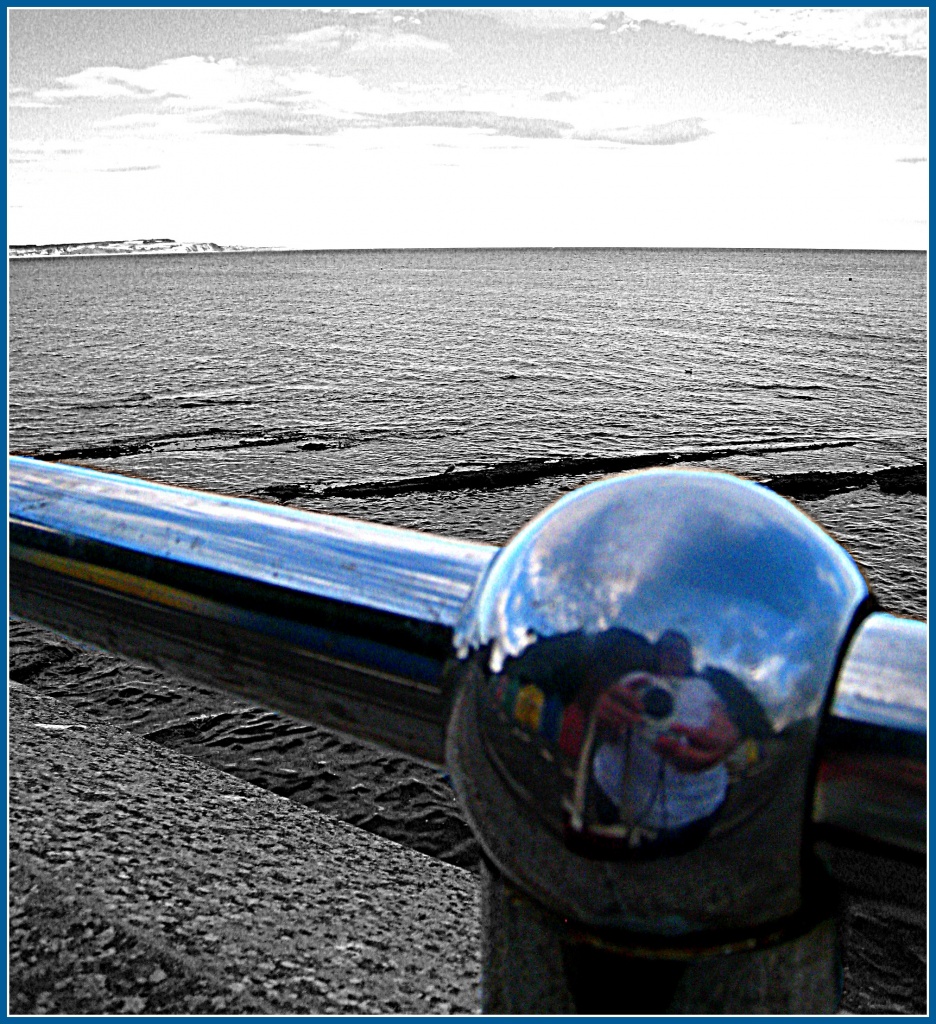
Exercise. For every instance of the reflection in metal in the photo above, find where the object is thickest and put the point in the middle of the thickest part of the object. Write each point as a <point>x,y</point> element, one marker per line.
<point>342,622</point>
<point>646,665</point>
<point>872,776</point>
<point>879,682</point>
<point>409,574</point>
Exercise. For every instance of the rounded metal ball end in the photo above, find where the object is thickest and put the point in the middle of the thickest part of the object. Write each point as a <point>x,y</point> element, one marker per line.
<point>646,665</point>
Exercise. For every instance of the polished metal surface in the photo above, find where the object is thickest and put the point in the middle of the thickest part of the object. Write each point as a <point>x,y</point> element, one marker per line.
<point>534,962</point>
<point>402,572</point>
<point>871,780</point>
<point>645,668</point>
<point>345,623</point>
<point>882,681</point>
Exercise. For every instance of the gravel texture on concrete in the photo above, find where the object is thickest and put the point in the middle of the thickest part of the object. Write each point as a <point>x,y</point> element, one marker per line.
<point>144,882</point>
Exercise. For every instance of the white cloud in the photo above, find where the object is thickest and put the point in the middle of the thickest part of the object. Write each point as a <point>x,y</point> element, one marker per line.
<point>670,133</point>
<point>206,144</point>
<point>549,18</point>
<point>370,41</point>
<point>198,84</point>
<point>899,31</point>
<point>337,94</point>
<point>194,93</point>
<point>394,36</point>
<point>613,22</point>
<point>327,37</point>
<point>92,83</point>
<point>24,99</point>
<point>186,78</point>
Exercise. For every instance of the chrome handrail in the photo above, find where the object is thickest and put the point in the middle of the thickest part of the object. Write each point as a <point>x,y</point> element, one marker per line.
<point>345,623</point>
<point>350,623</point>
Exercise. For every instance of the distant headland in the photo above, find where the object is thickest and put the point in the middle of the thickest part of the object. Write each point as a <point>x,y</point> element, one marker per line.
<point>134,246</point>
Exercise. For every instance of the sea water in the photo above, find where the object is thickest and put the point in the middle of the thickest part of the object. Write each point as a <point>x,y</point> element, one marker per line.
<point>325,379</point>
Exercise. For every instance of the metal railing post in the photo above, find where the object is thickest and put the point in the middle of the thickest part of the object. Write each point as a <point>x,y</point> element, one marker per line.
<point>651,702</point>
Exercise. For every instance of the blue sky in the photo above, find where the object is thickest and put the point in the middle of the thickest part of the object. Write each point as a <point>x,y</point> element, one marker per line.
<point>376,127</point>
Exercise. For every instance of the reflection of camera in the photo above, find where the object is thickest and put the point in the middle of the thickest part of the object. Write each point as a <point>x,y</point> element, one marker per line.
<point>658,706</point>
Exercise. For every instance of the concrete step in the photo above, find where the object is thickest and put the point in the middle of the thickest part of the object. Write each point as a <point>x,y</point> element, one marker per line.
<point>145,882</point>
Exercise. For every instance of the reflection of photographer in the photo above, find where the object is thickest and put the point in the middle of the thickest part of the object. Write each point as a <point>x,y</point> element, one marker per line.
<point>662,741</point>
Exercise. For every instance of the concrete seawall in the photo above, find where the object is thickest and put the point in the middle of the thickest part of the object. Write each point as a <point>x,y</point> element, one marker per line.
<point>145,882</point>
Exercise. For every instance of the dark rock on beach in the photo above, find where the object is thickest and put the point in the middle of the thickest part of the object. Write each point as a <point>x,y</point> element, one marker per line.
<point>808,486</point>
<point>812,486</point>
